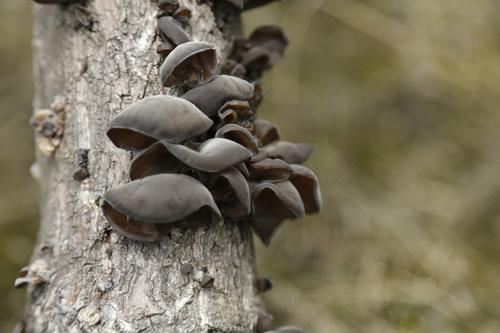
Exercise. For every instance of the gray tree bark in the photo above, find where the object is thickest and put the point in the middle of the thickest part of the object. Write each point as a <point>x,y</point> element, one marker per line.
<point>90,279</point>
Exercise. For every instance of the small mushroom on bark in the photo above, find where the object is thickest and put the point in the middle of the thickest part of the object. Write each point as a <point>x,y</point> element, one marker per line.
<point>266,131</point>
<point>156,118</point>
<point>213,155</point>
<point>231,192</point>
<point>190,64</point>
<point>269,169</point>
<point>147,208</point>
<point>307,184</point>
<point>154,160</point>
<point>168,6</point>
<point>164,48</point>
<point>171,31</point>
<point>293,153</point>
<point>273,39</point>
<point>277,200</point>
<point>210,97</point>
<point>239,134</point>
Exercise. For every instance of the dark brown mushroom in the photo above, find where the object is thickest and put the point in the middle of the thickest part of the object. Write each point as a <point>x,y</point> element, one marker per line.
<point>171,31</point>
<point>233,68</point>
<point>191,64</point>
<point>182,15</point>
<point>276,201</point>
<point>213,155</point>
<point>147,208</point>
<point>272,38</point>
<point>293,153</point>
<point>266,131</point>
<point>168,6</point>
<point>164,48</point>
<point>156,118</point>
<point>239,134</point>
<point>154,160</point>
<point>257,60</point>
<point>211,96</point>
<point>269,169</point>
<point>265,228</point>
<point>307,184</point>
<point>231,192</point>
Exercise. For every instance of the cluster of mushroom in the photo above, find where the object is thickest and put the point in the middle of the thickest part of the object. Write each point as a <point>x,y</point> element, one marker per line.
<point>203,157</point>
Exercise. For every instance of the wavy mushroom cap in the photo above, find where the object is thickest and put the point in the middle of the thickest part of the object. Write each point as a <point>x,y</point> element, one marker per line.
<point>164,48</point>
<point>272,38</point>
<point>293,153</point>
<point>213,155</point>
<point>265,228</point>
<point>144,209</point>
<point>231,192</point>
<point>266,131</point>
<point>211,96</point>
<point>171,31</point>
<point>190,64</point>
<point>269,169</point>
<point>276,201</point>
<point>152,161</point>
<point>307,184</point>
<point>238,134</point>
<point>156,118</point>
<point>168,6</point>
<point>258,59</point>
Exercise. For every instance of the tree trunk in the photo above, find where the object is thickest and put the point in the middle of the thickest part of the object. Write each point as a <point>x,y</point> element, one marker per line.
<point>102,58</point>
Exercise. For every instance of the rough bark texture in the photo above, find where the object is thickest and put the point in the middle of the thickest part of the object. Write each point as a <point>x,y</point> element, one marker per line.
<point>96,280</point>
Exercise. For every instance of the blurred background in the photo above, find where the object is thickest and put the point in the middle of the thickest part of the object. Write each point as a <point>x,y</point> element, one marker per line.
<point>401,100</point>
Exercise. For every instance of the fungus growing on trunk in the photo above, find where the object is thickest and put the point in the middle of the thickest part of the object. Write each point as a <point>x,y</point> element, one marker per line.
<point>146,209</point>
<point>157,118</point>
<point>189,64</point>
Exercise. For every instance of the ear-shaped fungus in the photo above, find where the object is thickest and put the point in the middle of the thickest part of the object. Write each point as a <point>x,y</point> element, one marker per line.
<point>147,208</point>
<point>231,192</point>
<point>191,64</point>
<point>210,97</point>
<point>266,131</point>
<point>239,134</point>
<point>272,38</point>
<point>307,184</point>
<point>265,228</point>
<point>293,153</point>
<point>272,170</point>
<point>171,31</point>
<point>154,160</point>
<point>168,6</point>
<point>213,155</point>
<point>277,201</point>
<point>156,118</point>
<point>164,48</point>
